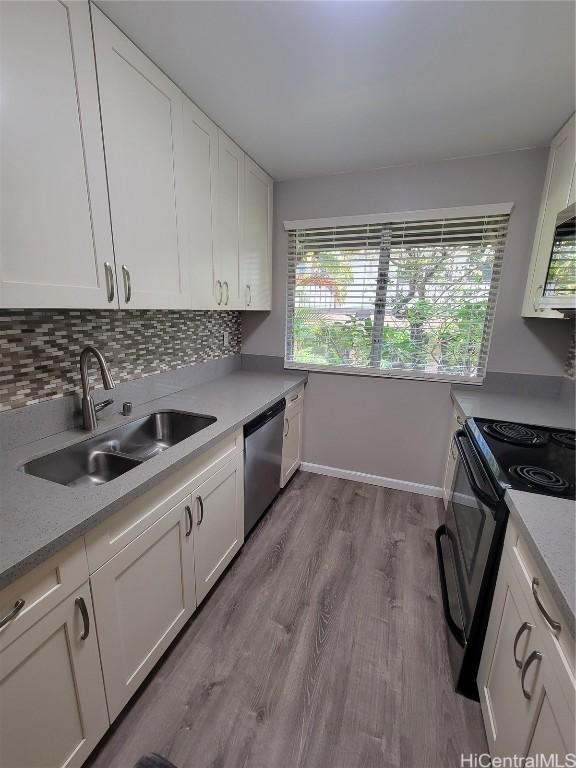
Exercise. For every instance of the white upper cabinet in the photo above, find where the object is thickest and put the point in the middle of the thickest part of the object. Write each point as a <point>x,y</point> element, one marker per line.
<point>256,254</point>
<point>558,193</point>
<point>228,222</point>
<point>199,178</point>
<point>142,126</point>
<point>54,222</point>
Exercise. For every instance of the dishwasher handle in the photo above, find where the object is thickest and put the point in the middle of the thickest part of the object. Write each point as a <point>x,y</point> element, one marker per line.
<point>269,414</point>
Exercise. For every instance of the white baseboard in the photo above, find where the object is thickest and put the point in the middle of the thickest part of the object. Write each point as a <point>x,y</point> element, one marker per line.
<point>362,477</point>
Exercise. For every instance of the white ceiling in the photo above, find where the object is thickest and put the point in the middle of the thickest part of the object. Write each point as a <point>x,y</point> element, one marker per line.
<point>311,88</point>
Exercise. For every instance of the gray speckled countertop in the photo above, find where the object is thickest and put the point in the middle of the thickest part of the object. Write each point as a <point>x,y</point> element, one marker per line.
<point>550,410</point>
<point>548,525</point>
<point>38,517</point>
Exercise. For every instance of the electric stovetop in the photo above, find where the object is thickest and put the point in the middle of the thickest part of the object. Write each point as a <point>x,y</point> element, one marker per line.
<point>527,457</point>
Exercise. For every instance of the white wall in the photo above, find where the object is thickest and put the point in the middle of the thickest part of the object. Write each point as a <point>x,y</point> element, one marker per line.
<point>399,428</point>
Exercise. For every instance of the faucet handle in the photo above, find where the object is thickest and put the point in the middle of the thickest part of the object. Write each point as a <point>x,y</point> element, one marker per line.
<point>104,404</point>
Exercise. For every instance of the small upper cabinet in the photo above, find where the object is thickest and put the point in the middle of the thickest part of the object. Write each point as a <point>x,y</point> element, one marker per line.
<point>199,179</point>
<point>558,193</point>
<point>142,127</point>
<point>256,254</point>
<point>55,240</point>
<point>228,222</point>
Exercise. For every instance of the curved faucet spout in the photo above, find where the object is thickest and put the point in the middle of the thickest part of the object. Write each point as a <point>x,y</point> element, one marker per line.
<point>88,407</point>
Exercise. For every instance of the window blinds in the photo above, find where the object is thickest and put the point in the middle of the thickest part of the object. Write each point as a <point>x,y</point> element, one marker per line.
<point>411,298</point>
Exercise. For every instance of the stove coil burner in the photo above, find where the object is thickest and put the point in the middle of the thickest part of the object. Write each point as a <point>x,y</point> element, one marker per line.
<point>517,434</point>
<point>566,439</point>
<point>543,479</point>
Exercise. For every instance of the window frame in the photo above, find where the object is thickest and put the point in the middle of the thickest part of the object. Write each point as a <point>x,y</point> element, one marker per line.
<point>499,209</point>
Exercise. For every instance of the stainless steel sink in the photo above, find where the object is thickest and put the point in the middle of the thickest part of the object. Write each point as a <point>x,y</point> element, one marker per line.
<point>109,455</point>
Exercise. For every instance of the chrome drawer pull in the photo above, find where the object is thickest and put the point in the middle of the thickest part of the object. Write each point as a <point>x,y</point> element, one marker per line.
<point>287,428</point>
<point>18,605</point>
<point>189,515</point>
<point>127,283</point>
<point>523,628</point>
<point>227,293</point>
<point>201,510</point>
<point>81,604</point>
<point>555,625</point>
<point>219,299</point>
<point>534,656</point>
<point>109,280</point>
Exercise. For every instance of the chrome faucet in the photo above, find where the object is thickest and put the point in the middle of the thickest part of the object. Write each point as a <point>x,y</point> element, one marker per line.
<point>89,410</point>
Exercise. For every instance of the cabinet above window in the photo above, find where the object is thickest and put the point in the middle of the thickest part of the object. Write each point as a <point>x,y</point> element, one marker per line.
<point>559,193</point>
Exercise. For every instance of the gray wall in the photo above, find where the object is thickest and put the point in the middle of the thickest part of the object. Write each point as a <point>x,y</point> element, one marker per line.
<point>399,428</point>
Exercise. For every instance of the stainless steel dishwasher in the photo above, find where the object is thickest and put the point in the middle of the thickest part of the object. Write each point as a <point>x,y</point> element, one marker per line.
<point>262,462</point>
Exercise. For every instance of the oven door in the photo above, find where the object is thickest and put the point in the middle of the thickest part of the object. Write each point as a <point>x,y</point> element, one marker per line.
<point>464,543</point>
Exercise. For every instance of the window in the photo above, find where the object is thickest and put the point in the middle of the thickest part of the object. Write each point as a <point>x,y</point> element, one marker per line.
<point>411,297</point>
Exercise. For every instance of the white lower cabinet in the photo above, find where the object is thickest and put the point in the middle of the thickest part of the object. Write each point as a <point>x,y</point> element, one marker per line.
<point>52,704</point>
<point>219,524</point>
<point>526,686</point>
<point>142,598</point>
<point>292,443</point>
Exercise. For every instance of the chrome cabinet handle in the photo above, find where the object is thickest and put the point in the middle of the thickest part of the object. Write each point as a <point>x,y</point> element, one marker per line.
<point>219,299</point>
<point>201,510</point>
<point>227,293</point>
<point>81,604</point>
<point>523,628</point>
<point>555,625</point>
<point>109,280</point>
<point>189,515</point>
<point>127,283</point>
<point>18,605</point>
<point>293,398</point>
<point>534,656</point>
<point>248,295</point>
<point>287,427</point>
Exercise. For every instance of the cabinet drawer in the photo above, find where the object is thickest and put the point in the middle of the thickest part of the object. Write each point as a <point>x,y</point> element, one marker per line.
<point>120,529</point>
<point>295,399</point>
<point>527,570</point>
<point>41,590</point>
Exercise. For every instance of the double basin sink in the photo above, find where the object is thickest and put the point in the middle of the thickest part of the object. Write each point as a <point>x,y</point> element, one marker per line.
<point>104,457</point>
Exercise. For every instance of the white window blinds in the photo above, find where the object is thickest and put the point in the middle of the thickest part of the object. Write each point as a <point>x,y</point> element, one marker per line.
<point>411,298</point>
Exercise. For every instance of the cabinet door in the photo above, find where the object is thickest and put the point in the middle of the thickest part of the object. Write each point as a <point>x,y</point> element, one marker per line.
<point>55,234</point>
<point>142,127</point>
<point>142,598</point>
<point>199,177</point>
<point>511,637</point>
<point>228,222</point>
<point>292,443</point>
<point>556,196</point>
<point>553,731</point>
<point>256,256</point>
<point>52,703</point>
<point>219,514</point>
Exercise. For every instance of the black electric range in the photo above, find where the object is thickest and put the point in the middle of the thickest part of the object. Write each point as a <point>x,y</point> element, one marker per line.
<point>527,457</point>
<point>492,457</point>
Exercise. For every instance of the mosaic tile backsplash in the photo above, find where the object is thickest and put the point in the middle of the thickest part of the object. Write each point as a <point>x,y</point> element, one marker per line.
<point>40,349</point>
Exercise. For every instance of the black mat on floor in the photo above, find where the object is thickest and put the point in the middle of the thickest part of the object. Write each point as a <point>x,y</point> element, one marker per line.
<point>154,761</point>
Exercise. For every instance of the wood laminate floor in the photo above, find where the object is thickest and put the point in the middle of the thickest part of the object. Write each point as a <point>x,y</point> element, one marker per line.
<point>322,647</point>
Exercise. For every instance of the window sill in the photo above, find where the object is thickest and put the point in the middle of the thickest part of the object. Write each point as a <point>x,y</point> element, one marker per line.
<point>382,374</point>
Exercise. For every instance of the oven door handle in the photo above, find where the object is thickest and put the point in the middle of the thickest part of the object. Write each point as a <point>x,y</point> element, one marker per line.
<point>457,631</point>
<point>491,501</point>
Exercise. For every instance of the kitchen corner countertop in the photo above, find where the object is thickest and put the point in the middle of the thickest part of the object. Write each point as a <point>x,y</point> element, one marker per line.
<point>548,525</point>
<point>39,517</point>
<point>523,407</point>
